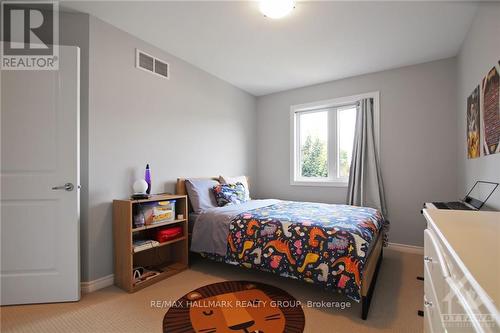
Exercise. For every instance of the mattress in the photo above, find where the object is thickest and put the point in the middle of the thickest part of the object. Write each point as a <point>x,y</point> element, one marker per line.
<point>318,243</point>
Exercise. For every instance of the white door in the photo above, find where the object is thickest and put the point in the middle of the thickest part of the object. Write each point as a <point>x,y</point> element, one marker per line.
<point>39,227</point>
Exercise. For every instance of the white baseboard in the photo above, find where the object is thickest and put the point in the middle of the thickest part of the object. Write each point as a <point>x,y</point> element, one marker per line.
<point>91,286</point>
<point>406,248</point>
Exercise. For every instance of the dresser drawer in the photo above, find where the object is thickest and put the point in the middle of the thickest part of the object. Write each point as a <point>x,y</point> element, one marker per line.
<point>432,316</point>
<point>441,253</point>
<point>434,286</point>
<point>435,268</point>
<point>451,252</point>
<point>427,322</point>
<point>433,254</point>
<point>471,298</point>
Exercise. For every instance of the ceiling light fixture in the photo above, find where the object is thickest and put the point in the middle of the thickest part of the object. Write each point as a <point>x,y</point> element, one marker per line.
<point>276,9</point>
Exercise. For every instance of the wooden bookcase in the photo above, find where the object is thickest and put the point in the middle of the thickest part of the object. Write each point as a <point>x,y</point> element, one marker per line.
<point>170,257</point>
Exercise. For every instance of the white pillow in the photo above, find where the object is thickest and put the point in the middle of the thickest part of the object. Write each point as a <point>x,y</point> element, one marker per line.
<point>200,193</point>
<point>234,180</point>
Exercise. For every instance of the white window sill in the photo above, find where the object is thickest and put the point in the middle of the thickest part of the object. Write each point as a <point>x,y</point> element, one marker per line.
<point>329,183</point>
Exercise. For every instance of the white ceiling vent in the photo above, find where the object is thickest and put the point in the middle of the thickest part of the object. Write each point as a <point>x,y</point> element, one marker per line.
<point>151,64</point>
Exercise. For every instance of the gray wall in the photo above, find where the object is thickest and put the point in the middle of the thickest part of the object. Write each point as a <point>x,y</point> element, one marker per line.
<point>418,145</point>
<point>479,53</point>
<point>191,125</point>
<point>74,30</point>
<point>130,118</point>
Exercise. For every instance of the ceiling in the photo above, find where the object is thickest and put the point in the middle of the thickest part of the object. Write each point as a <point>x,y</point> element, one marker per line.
<point>318,42</point>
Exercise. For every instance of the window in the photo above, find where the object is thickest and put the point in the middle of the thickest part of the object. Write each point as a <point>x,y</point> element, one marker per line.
<point>322,140</point>
<point>313,145</point>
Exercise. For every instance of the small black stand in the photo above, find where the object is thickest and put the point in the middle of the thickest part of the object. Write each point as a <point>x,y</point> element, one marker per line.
<point>139,196</point>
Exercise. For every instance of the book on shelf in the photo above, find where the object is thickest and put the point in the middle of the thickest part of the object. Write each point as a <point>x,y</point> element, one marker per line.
<point>141,245</point>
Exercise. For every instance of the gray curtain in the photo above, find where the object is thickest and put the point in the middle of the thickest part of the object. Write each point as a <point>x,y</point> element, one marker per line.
<point>365,179</point>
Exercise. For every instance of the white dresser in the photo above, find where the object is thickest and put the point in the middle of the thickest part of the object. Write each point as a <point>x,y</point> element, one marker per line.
<point>461,271</point>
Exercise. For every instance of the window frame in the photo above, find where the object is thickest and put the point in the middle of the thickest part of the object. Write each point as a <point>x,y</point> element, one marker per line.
<point>332,144</point>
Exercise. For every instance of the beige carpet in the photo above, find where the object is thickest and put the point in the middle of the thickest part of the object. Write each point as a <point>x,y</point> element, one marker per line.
<point>398,295</point>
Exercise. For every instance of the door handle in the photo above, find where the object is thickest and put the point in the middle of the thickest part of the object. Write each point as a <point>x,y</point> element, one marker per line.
<point>67,187</point>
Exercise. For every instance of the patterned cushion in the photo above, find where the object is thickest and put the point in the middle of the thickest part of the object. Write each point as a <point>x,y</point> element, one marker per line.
<point>234,180</point>
<point>230,194</point>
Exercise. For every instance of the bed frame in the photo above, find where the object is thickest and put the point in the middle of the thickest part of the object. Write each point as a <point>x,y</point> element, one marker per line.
<point>370,270</point>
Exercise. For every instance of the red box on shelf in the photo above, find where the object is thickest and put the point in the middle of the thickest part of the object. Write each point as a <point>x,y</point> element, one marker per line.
<point>167,234</point>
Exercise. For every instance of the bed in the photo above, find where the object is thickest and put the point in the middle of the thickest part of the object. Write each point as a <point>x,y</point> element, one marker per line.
<point>337,247</point>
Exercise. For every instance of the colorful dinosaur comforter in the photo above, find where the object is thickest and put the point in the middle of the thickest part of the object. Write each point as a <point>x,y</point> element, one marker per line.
<point>318,243</point>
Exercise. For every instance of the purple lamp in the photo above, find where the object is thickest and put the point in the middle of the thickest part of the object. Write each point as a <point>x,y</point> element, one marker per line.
<point>147,178</point>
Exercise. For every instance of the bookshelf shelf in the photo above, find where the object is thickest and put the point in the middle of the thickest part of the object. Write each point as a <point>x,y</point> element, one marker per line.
<point>168,270</point>
<point>156,225</point>
<point>180,239</point>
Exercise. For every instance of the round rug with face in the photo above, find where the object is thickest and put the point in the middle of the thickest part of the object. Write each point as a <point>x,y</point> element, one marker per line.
<point>235,306</point>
